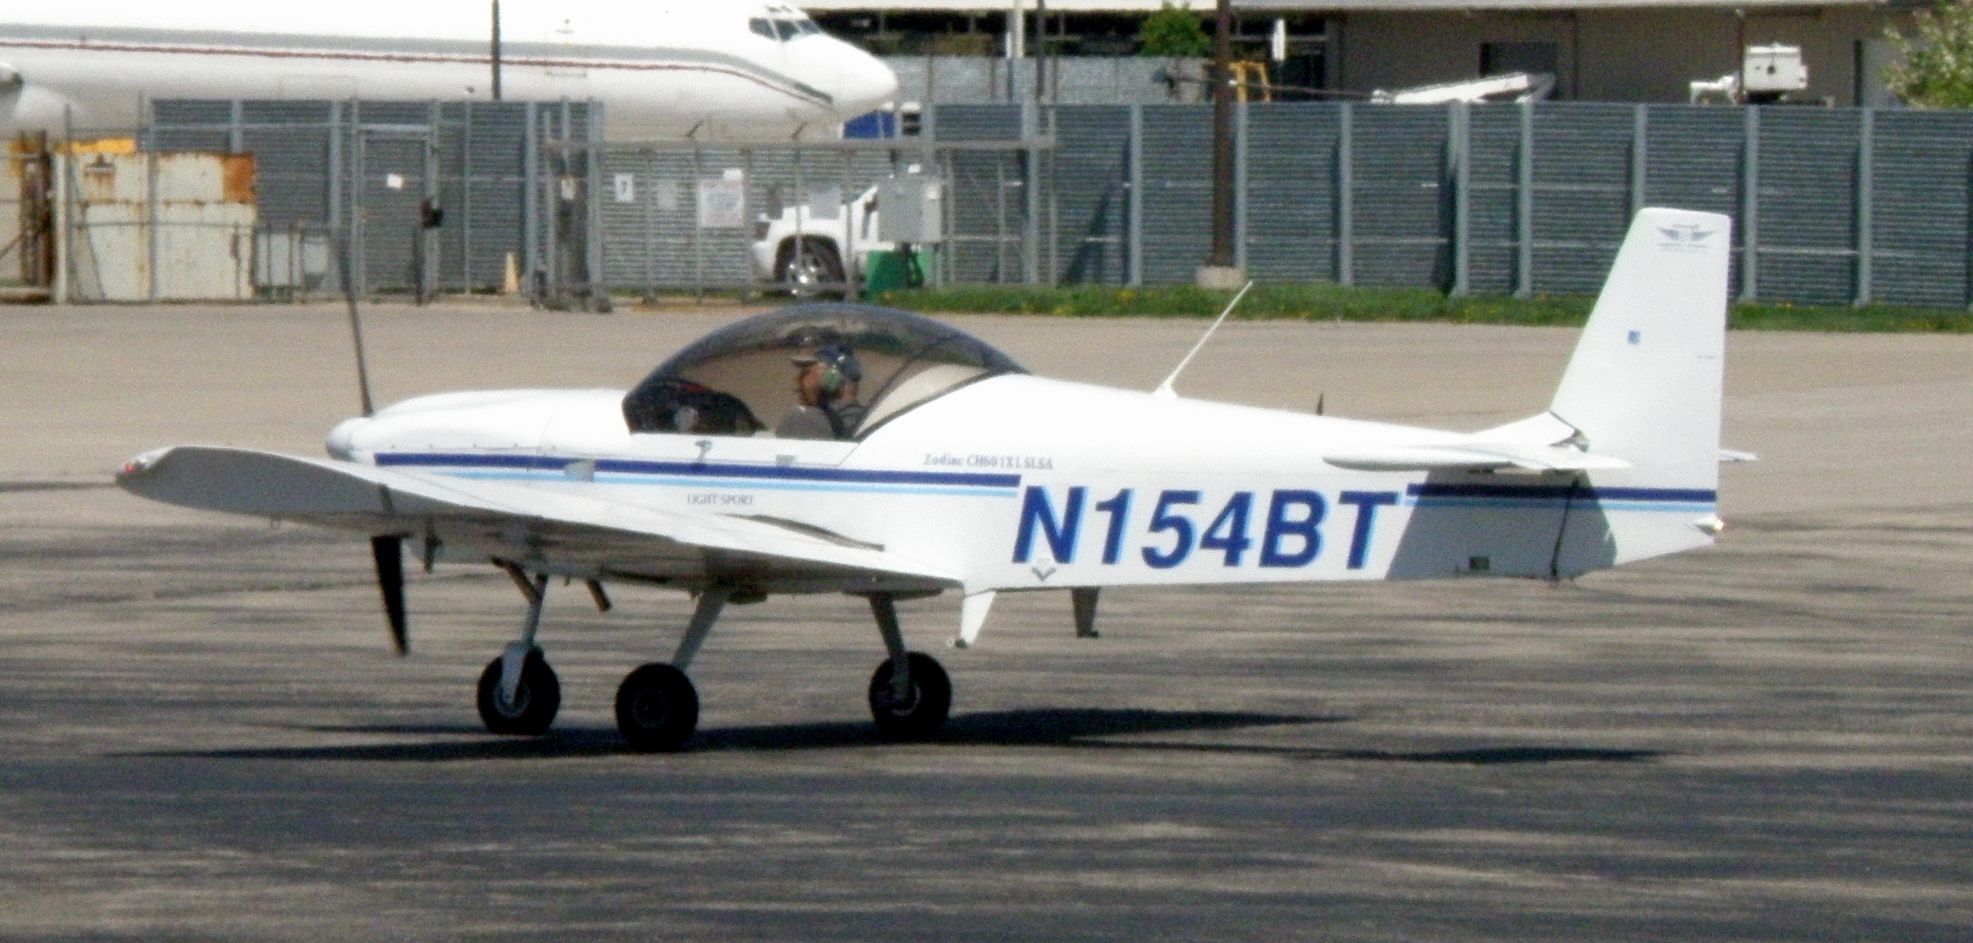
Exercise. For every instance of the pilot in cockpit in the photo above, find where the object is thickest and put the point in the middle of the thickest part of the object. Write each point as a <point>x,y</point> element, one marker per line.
<point>826,396</point>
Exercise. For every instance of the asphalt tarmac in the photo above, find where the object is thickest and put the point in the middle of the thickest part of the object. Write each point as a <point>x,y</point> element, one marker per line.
<point>204,736</point>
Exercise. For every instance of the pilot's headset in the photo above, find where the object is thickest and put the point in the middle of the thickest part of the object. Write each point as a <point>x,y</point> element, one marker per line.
<point>839,367</point>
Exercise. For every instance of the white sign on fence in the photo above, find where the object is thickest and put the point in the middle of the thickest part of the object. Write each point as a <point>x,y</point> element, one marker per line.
<point>723,203</point>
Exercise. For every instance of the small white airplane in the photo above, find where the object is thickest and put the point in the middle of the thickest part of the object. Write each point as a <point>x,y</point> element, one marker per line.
<point>910,459</point>
<point>727,70</point>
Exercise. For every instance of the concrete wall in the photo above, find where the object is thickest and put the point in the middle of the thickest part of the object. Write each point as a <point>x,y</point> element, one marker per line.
<point>1625,56</point>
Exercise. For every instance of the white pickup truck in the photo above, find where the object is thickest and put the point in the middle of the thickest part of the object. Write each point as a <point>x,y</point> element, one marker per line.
<point>815,251</point>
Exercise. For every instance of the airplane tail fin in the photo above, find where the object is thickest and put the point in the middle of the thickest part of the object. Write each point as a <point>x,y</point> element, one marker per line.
<point>1644,383</point>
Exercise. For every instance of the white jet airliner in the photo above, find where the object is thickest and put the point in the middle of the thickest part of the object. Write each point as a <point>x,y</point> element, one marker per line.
<point>918,460</point>
<point>717,70</point>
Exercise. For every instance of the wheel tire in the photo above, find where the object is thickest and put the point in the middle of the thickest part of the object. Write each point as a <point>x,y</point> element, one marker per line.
<point>923,710</point>
<point>536,699</point>
<point>657,708</point>
<point>808,264</point>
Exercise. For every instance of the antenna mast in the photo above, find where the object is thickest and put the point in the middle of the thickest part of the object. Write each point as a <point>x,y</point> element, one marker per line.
<point>1165,388</point>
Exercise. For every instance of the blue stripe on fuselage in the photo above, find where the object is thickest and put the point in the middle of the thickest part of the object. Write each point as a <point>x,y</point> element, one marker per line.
<point>697,473</point>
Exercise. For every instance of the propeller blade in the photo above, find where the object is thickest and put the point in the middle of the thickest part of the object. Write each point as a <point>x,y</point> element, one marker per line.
<point>389,553</point>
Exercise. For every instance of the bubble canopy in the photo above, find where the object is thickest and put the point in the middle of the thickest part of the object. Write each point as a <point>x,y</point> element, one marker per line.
<point>742,379</point>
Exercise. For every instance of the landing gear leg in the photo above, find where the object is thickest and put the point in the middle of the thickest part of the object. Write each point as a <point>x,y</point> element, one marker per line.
<point>518,693</point>
<point>657,706</point>
<point>910,693</point>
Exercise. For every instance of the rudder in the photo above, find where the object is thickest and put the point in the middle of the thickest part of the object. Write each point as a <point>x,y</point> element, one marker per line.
<point>1644,383</point>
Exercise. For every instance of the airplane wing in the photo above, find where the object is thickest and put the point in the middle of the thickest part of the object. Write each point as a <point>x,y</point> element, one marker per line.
<point>550,530</point>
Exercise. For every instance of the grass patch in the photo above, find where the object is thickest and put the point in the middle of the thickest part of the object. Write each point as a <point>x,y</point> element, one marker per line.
<point>1323,302</point>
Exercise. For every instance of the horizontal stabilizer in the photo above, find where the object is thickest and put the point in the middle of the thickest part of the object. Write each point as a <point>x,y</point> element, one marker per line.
<point>1540,443</point>
<point>1479,456</point>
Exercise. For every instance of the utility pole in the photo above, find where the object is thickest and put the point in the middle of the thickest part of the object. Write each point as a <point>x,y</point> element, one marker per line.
<point>1219,271</point>
<point>1040,50</point>
<point>496,50</point>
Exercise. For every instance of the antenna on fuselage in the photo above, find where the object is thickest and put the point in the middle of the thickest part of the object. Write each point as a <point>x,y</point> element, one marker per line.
<point>355,323</point>
<point>1165,388</point>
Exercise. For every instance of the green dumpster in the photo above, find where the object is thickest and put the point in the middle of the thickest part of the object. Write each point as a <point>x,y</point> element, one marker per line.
<point>893,270</point>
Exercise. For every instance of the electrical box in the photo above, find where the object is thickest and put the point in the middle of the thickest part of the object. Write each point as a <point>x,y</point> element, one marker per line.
<point>1773,70</point>
<point>911,209</point>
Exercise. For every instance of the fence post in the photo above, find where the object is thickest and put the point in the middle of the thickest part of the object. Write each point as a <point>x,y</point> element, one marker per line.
<point>466,197</point>
<point>698,219</point>
<point>151,224</point>
<point>593,189</point>
<point>63,223</point>
<point>553,214</point>
<point>928,138</point>
<point>1750,205</point>
<point>1524,206</point>
<point>1459,175</point>
<point>1240,196</point>
<point>531,202</point>
<point>1865,222</point>
<point>335,211</point>
<point>1031,198</point>
<point>1640,153</point>
<point>846,199</point>
<point>431,264</point>
<point>1134,237</point>
<point>1054,193</point>
<point>358,154</point>
<point>1345,197</point>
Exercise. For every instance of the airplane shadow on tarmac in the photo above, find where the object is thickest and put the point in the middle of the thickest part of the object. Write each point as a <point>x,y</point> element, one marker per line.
<point>1072,728</point>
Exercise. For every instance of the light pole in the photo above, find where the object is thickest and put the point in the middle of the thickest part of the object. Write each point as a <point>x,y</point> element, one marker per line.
<point>1219,271</point>
<point>497,52</point>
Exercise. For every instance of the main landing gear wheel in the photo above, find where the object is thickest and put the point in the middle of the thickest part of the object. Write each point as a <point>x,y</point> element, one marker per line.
<point>921,709</point>
<point>657,708</point>
<point>536,698</point>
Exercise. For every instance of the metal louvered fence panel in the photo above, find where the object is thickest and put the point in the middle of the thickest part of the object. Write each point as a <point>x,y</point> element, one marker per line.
<point>1829,205</point>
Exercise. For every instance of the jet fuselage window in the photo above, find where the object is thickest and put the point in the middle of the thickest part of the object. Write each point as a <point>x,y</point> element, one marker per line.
<point>761,27</point>
<point>787,29</point>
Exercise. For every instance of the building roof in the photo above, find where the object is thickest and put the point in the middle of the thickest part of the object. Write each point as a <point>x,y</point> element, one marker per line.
<point>1383,6</point>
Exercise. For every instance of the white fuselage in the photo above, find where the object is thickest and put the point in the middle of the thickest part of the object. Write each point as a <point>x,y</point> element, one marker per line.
<point>1022,482</point>
<point>717,71</point>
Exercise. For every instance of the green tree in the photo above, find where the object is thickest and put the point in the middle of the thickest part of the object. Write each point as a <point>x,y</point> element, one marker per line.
<point>1936,70</point>
<point>1176,32</point>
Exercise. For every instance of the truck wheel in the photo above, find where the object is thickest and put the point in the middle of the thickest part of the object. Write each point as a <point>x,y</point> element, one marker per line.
<point>806,272</point>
